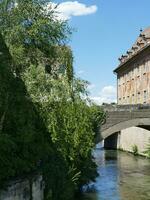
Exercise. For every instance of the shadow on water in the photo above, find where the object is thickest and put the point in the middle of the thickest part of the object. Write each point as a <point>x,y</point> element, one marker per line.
<point>122,176</point>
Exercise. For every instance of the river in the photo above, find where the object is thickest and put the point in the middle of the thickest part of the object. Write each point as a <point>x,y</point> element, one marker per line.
<point>122,176</point>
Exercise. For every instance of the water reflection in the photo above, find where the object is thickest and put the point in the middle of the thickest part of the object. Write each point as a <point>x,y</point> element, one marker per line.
<point>122,176</point>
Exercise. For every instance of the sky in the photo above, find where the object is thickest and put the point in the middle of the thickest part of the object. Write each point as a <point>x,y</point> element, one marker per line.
<point>104,30</point>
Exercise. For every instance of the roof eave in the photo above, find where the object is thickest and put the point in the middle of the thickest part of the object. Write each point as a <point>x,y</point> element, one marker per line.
<point>130,59</point>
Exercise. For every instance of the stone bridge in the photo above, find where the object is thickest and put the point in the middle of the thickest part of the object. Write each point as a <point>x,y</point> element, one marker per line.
<point>119,117</point>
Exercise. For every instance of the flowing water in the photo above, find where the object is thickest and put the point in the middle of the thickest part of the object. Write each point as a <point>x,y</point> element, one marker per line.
<point>122,176</point>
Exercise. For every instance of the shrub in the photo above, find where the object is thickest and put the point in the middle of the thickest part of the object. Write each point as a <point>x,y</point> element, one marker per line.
<point>135,149</point>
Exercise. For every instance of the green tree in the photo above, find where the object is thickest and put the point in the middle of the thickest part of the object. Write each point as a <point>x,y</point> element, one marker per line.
<point>70,121</point>
<point>46,118</point>
<point>32,33</point>
<point>23,138</point>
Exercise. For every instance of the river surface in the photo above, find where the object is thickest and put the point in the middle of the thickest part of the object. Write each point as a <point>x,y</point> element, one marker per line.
<point>122,176</point>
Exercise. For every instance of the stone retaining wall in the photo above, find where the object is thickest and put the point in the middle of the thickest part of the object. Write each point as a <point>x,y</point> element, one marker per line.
<point>134,136</point>
<point>24,189</point>
<point>128,139</point>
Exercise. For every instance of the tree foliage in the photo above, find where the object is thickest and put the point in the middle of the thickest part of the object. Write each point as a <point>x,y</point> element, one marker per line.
<point>32,33</point>
<point>46,120</point>
<point>69,121</point>
<point>23,135</point>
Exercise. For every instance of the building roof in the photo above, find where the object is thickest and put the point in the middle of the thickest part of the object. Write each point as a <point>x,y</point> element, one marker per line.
<point>146,33</point>
<point>142,42</point>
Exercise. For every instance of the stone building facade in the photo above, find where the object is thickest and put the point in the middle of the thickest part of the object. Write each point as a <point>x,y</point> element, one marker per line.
<point>133,72</point>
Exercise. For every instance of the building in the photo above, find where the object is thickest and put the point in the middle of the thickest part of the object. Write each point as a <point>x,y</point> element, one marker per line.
<point>133,72</point>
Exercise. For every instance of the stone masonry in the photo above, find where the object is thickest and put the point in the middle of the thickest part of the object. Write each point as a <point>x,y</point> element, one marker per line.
<point>24,189</point>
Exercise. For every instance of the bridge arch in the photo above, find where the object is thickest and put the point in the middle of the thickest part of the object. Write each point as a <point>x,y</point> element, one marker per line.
<point>137,122</point>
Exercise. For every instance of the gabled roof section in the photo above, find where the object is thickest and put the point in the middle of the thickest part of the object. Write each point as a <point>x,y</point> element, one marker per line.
<point>142,42</point>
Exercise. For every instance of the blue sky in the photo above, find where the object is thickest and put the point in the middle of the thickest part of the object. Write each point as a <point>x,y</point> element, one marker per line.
<point>105,29</point>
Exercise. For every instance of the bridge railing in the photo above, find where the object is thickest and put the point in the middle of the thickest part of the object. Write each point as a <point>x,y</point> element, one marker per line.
<point>128,107</point>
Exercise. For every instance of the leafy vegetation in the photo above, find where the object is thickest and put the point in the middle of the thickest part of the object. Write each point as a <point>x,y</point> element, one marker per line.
<point>135,149</point>
<point>32,33</point>
<point>22,140</point>
<point>70,122</point>
<point>47,122</point>
<point>147,151</point>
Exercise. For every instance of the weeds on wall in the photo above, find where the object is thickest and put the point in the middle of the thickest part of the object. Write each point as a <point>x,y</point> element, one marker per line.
<point>147,151</point>
<point>135,149</point>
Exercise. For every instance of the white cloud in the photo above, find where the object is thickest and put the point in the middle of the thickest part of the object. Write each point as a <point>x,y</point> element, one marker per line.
<point>107,95</point>
<point>68,9</point>
<point>108,91</point>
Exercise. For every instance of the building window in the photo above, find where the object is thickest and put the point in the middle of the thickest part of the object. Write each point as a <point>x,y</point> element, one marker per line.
<point>132,98</point>
<point>145,96</point>
<point>128,99</point>
<point>138,97</point>
<point>138,76</point>
<point>124,100</point>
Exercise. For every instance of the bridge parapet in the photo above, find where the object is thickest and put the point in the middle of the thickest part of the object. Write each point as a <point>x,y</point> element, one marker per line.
<point>128,107</point>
